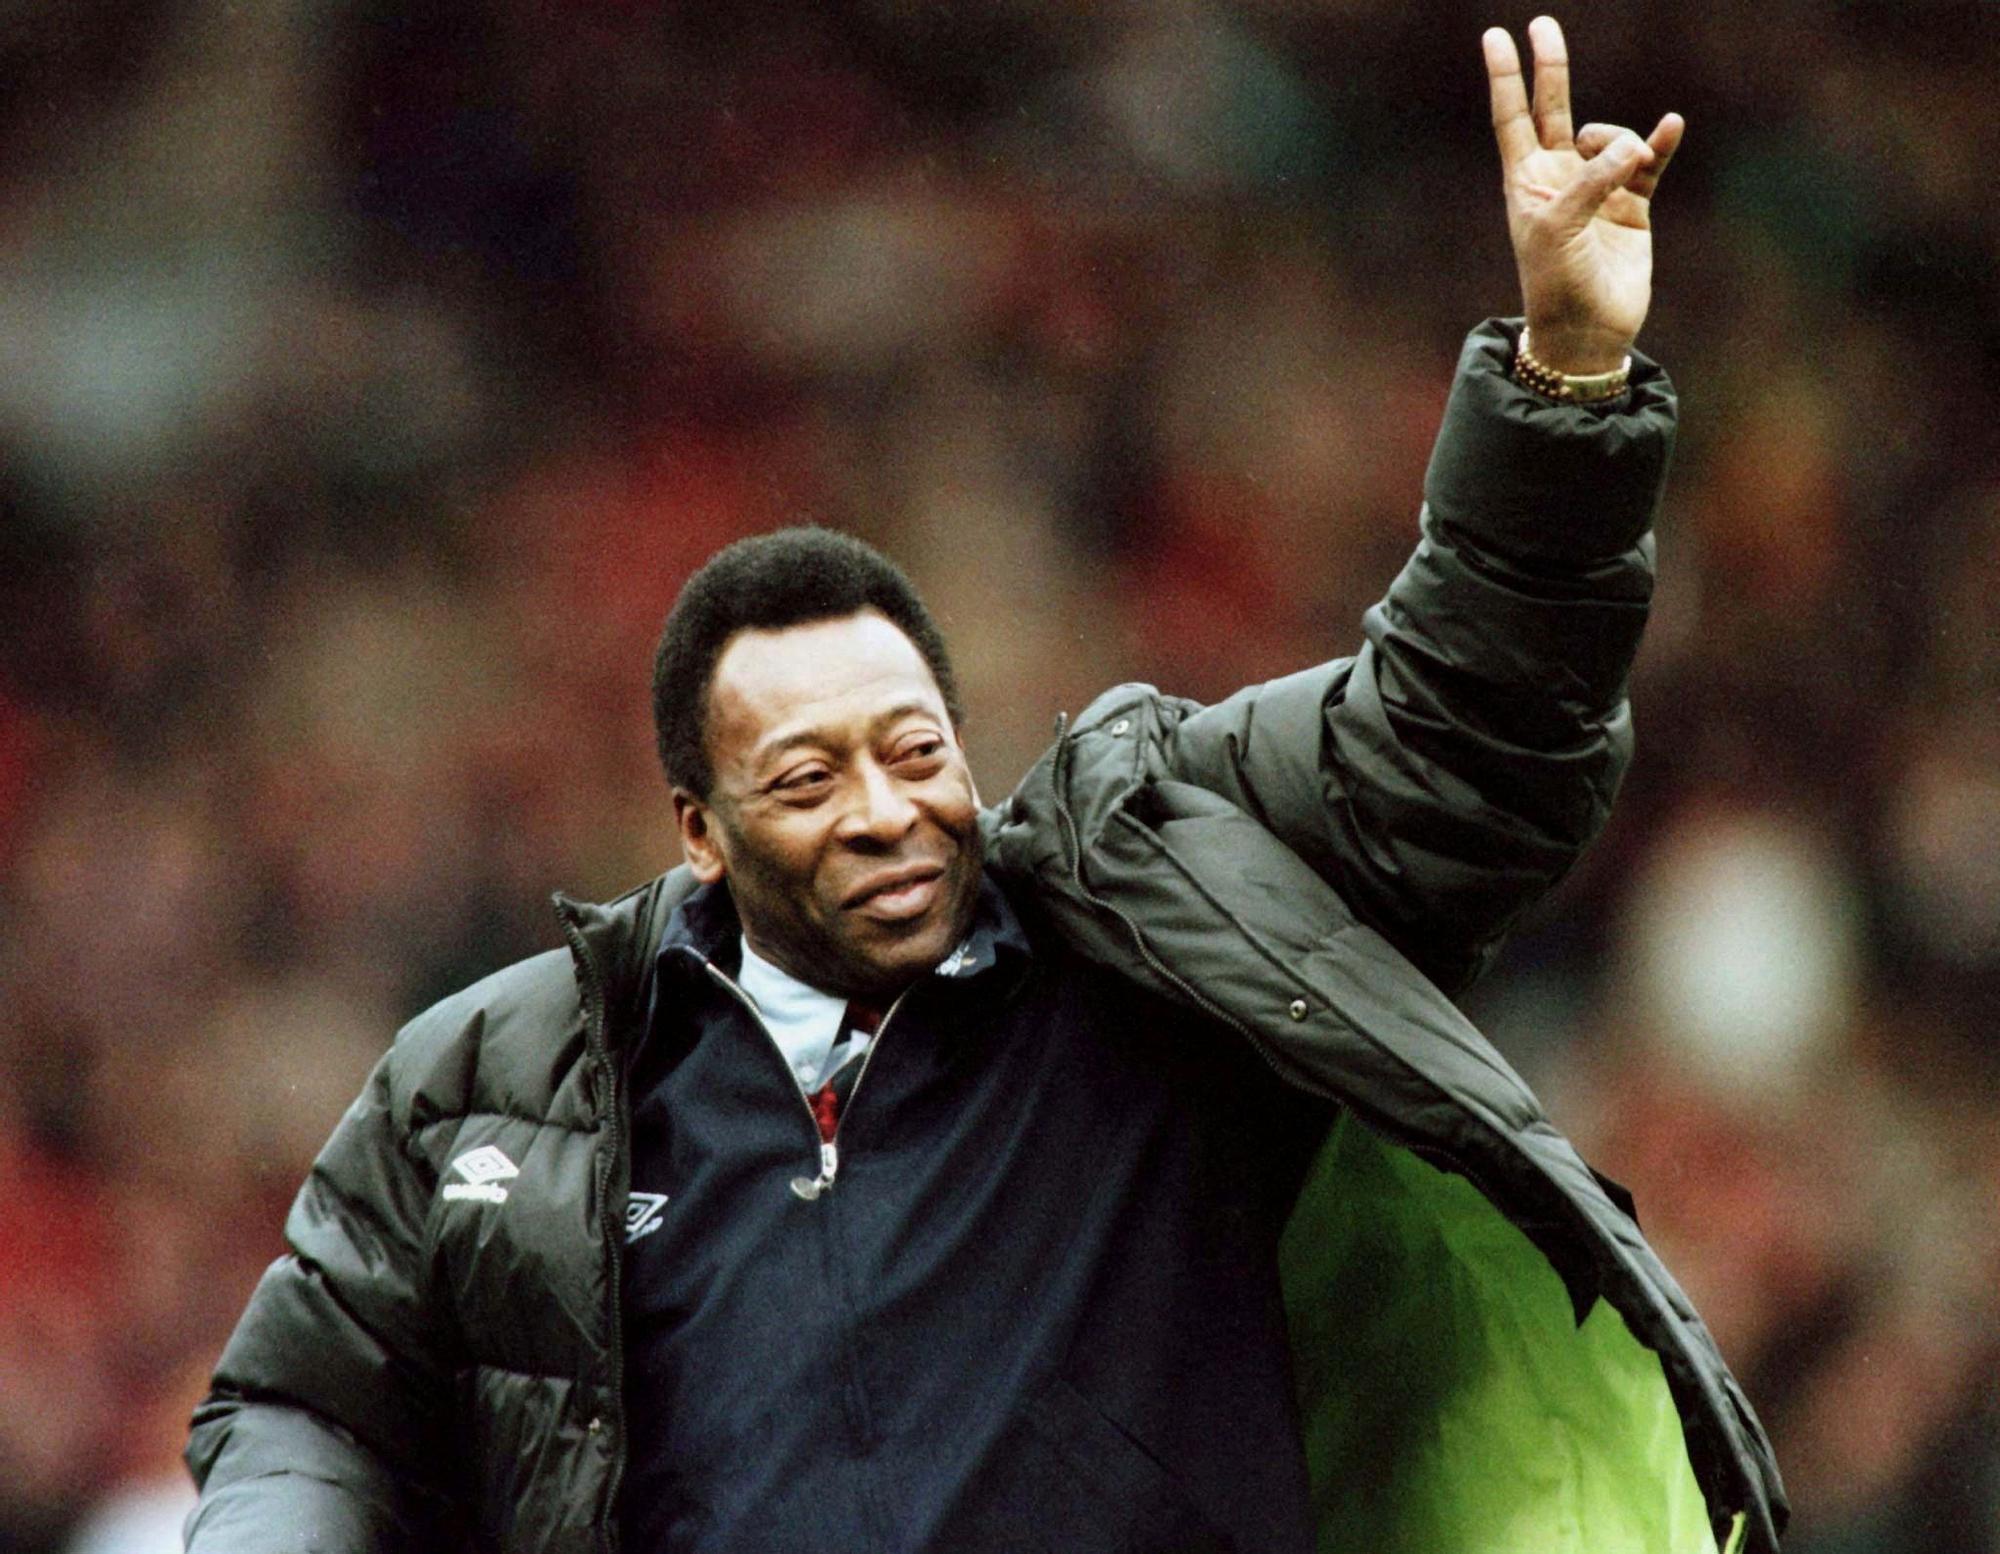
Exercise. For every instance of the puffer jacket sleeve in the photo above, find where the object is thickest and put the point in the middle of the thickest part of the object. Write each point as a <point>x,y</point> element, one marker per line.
<point>321,1431</point>
<point>1451,771</point>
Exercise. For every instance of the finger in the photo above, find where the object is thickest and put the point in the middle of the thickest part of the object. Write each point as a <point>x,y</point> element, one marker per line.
<point>1511,125</point>
<point>1612,168</point>
<point>1593,138</point>
<point>1664,142</point>
<point>1545,37</point>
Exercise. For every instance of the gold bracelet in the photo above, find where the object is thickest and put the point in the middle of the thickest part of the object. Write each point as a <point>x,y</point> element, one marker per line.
<point>1568,388</point>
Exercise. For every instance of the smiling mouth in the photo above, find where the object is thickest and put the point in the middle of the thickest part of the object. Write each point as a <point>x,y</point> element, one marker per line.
<point>905,895</point>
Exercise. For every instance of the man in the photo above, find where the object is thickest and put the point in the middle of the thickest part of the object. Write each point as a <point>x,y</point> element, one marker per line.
<point>905,1175</point>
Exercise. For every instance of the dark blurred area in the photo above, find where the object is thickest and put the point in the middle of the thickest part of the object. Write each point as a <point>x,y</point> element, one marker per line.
<point>371,375</point>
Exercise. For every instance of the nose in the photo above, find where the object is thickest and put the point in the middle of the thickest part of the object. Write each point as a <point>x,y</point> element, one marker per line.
<point>880,811</point>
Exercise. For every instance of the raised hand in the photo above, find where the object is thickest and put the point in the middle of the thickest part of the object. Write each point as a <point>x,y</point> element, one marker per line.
<point>1578,207</point>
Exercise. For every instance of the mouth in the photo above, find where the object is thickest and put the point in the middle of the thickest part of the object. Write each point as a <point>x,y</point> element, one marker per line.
<point>899,894</point>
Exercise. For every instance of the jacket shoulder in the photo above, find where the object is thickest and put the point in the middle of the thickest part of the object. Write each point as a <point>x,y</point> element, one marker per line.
<point>1129,699</point>
<point>508,1043</point>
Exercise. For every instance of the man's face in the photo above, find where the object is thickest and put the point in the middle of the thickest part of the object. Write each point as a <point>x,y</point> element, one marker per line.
<point>841,810</point>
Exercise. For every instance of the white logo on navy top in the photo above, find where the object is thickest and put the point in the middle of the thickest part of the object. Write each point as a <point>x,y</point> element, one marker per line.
<point>484,1169</point>
<point>642,1214</point>
<point>959,960</point>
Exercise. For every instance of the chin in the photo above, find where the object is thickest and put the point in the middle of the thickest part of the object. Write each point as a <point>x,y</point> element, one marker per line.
<point>904,963</point>
<point>904,959</point>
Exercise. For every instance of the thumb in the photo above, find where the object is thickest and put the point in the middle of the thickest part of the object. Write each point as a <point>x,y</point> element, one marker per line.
<point>1610,169</point>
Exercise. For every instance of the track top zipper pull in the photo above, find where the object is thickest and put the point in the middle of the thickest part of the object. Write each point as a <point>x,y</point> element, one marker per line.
<point>808,1187</point>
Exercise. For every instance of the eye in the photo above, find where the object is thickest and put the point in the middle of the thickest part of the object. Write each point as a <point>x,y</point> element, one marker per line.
<point>917,749</point>
<point>803,783</point>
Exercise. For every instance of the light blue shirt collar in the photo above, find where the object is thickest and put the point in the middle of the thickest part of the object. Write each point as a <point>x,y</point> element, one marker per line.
<point>802,1020</point>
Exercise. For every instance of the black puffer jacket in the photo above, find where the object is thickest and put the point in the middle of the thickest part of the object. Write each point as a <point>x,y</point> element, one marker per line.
<point>415,1374</point>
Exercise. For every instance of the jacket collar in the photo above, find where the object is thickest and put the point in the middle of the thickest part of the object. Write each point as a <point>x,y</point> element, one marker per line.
<point>620,947</point>
<point>704,931</point>
<point>611,942</point>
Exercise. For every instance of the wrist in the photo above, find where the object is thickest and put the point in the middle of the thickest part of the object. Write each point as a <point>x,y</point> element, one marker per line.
<point>1578,353</point>
<point>1532,370</point>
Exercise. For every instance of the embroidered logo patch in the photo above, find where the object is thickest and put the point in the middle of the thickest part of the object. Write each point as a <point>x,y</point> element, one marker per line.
<point>484,1169</point>
<point>958,962</point>
<point>642,1214</point>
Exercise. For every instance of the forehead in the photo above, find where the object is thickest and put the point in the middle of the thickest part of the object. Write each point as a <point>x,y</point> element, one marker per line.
<point>822,677</point>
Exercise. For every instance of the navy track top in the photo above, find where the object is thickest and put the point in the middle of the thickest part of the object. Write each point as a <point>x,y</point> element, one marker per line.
<point>1037,1308</point>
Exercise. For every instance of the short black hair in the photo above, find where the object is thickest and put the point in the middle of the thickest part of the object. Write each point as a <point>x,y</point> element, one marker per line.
<point>790,577</point>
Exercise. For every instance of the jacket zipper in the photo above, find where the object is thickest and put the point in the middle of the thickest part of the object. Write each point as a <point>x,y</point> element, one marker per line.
<point>1437,1154</point>
<point>1193,994</point>
<point>1188,990</point>
<point>598,1039</point>
<point>810,1187</point>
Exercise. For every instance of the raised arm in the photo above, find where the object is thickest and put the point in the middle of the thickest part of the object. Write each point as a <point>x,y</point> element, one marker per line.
<point>1455,768</point>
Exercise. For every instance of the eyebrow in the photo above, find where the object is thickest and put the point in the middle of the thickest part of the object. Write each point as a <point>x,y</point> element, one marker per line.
<point>786,739</point>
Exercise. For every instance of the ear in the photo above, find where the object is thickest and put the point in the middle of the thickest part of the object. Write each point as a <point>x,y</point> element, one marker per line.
<point>699,837</point>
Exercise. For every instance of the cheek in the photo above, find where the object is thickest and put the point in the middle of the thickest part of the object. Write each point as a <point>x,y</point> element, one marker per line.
<point>957,804</point>
<point>779,867</point>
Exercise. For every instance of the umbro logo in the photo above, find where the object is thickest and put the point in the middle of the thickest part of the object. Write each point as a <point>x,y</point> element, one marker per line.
<point>958,961</point>
<point>642,1214</point>
<point>484,1169</point>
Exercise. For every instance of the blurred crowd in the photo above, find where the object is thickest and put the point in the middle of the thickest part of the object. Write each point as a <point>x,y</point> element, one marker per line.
<point>372,374</point>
